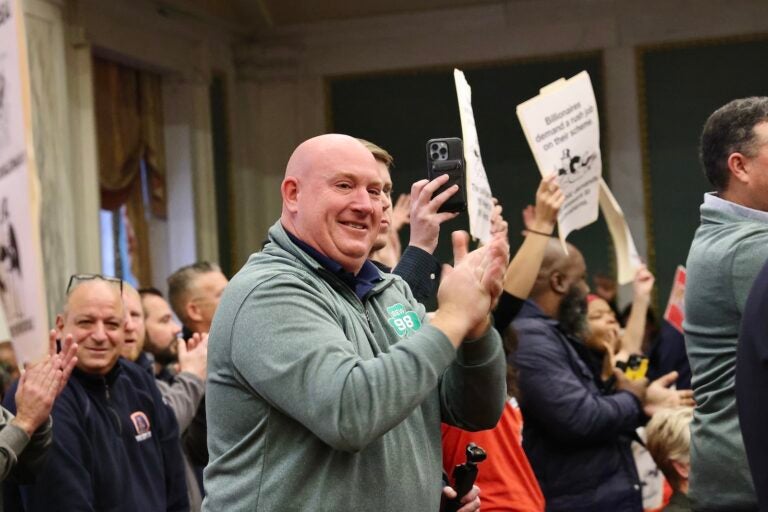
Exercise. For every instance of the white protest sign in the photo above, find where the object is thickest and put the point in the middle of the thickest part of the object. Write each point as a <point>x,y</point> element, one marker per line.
<point>479,197</point>
<point>627,258</point>
<point>5,334</point>
<point>22,293</point>
<point>563,131</point>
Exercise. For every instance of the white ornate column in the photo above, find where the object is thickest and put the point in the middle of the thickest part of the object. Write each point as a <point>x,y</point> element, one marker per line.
<point>46,46</point>
<point>84,159</point>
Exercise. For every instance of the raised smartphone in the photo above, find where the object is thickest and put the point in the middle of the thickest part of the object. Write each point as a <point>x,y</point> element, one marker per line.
<point>446,156</point>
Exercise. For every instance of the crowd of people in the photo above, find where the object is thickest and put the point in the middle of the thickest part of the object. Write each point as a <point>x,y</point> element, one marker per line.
<point>316,380</point>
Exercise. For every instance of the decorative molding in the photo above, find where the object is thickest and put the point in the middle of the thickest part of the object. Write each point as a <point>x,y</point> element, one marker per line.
<point>272,60</point>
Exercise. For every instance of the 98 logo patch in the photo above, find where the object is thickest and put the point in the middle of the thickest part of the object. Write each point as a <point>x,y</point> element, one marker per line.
<point>403,321</point>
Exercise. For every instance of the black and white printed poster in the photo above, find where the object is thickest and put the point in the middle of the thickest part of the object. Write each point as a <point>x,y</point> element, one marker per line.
<point>22,292</point>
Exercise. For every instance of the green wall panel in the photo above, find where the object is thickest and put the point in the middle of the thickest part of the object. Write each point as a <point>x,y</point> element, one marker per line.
<point>401,111</point>
<point>683,86</point>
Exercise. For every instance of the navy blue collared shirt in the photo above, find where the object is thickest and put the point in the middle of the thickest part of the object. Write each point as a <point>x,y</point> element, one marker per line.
<point>361,284</point>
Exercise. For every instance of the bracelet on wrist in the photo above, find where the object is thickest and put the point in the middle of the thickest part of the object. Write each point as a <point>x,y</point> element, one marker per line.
<point>535,232</point>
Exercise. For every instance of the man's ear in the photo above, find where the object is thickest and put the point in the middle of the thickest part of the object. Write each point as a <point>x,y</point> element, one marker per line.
<point>59,323</point>
<point>290,192</point>
<point>738,165</point>
<point>193,312</point>
<point>681,468</point>
<point>557,282</point>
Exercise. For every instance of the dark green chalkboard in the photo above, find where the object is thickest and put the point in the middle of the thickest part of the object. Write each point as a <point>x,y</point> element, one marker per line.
<point>401,111</point>
<point>683,86</point>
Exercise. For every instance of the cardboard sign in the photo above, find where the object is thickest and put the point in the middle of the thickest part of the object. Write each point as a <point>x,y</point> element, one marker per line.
<point>479,197</point>
<point>627,258</point>
<point>22,292</point>
<point>675,312</point>
<point>563,130</point>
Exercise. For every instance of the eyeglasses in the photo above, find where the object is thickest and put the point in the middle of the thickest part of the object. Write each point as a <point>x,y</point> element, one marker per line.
<point>77,278</point>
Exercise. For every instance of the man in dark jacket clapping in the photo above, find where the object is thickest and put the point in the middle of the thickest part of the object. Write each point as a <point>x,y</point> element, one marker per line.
<point>115,443</point>
<point>577,430</point>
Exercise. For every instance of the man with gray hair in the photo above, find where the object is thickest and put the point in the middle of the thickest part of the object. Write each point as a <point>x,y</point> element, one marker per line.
<point>727,252</point>
<point>115,442</point>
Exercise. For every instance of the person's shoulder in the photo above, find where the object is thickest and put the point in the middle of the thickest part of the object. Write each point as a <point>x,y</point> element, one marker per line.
<point>266,270</point>
<point>525,325</point>
<point>753,235</point>
<point>138,376</point>
<point>538,336</point>
<point>738,229</point>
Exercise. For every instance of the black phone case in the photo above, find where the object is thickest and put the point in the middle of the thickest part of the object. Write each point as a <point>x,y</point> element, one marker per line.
<point>455,167</point>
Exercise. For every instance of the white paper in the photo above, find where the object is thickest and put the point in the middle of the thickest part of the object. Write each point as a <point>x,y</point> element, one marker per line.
<point>479,197</point>
<point>5,333</point>
<point>563,130</point>
<point>627,258</point>
<point>22,294</point>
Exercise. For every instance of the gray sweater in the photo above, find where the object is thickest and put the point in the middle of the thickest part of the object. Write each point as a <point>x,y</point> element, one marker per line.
<point>21,456</point>
<point>320,401</point>
<point>728,250</point>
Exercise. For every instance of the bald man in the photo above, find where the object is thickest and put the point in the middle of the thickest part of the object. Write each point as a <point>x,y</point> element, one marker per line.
<point>115,443</point>
<point>326,383</point>
<point>577,432</point>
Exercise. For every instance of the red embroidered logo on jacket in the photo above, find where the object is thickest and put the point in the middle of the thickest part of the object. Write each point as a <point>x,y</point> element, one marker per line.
<point>141,424</point>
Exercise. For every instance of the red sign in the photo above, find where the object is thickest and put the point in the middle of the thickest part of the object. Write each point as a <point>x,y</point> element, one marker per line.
<point>675,312</point>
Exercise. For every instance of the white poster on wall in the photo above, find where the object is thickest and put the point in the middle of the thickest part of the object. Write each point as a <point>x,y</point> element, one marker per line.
<point>563,130</point>
<point>22,293</point>
<point>479,197</point>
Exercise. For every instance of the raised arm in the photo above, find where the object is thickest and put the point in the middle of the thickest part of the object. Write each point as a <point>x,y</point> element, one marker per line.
<point>473,388</point>
<point>540,224</point>
<point>288,342</point>
<point>417,266</point>
<point>520,275</point>
<point>634,332</point>
<point>26,438</point>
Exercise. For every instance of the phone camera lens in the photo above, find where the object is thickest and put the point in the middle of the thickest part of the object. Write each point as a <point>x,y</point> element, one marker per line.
<point>443,151</point>
<point>435,156</point>
<point>434,147</point>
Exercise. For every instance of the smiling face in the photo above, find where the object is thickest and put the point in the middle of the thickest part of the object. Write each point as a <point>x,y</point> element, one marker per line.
<point>332,198</point>
<point>95,318</point>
